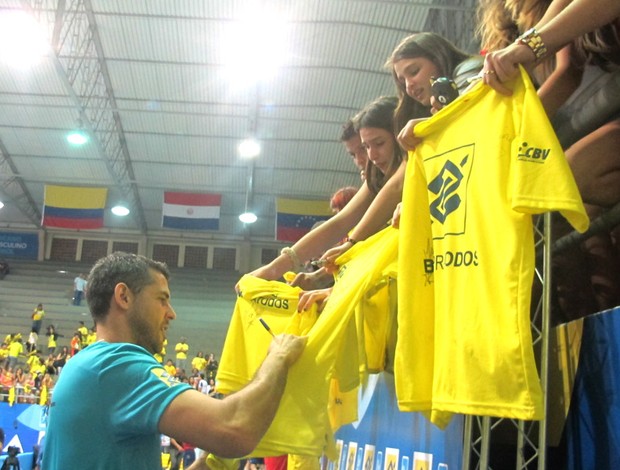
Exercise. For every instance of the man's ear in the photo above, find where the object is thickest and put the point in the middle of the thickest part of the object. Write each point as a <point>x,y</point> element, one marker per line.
<point>122,295</point>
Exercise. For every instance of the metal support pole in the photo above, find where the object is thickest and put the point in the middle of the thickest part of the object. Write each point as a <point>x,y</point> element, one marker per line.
<point>467,442</point>
<point>544,354</point>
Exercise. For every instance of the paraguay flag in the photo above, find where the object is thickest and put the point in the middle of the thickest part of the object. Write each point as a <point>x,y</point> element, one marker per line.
<point>74,207</point>
<point>190,211</point>
<point>295,217</point>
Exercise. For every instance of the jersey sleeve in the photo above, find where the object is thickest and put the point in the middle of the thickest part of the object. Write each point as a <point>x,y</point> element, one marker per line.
<point>139,391</point>
<point>542,179</point>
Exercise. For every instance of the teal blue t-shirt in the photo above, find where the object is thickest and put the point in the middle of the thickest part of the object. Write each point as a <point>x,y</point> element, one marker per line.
<point>105,410</point>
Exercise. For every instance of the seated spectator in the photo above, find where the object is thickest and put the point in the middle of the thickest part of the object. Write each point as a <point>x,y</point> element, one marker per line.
<point>19,381</point>
<point>202,386</point>
<point>4,353</point>
<point>31,387</point>
<point>61,359</point>
<point>211,391</point>
<point>170,368</point>
<point>76,343</point>
<point>46,387</point>
<point>7,380</point>
<point>49,365</point>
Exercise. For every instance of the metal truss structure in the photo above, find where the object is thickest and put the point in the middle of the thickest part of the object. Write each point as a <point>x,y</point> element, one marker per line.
<point>531,436</point>
<point>78,59</point>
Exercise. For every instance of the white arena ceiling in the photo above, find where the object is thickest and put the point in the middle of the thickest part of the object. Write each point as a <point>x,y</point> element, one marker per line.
<point>149,80</point>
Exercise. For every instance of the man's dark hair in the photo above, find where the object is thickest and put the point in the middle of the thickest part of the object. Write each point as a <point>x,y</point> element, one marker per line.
<point>348,130</point>
<point>133,270</point>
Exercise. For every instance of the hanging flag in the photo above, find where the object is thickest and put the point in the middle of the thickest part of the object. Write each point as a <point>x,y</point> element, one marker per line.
<point>295,217</point>
<point>74,207</point>
<point>189,211</point>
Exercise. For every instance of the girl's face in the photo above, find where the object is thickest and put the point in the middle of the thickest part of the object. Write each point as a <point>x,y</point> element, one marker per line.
<point>415,75</point>
<point>379,145</point>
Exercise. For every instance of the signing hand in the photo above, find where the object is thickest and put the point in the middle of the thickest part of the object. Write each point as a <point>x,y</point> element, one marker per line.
<point>288,346</point>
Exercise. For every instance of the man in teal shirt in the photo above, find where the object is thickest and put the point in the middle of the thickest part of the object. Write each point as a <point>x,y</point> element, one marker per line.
<point>113,400</point>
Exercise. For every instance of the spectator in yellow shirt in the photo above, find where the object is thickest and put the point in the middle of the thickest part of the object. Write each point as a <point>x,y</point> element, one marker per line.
<point>83,331</point>
<point>172,371</point>
<point>181,349</point>
<point>199,362</point>
<point>37,318</point>
<point>15,349</point>
<point>91,337</point>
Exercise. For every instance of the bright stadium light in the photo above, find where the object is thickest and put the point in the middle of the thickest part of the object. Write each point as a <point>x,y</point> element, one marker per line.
<point>260,38</point>
<point>120,210</point>
<point>77,137</point>
<point>22,43</point>
<point>249,148</point>
<point>248,217</point>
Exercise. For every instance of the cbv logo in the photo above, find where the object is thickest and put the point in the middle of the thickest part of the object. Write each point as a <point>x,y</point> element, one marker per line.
<point>532,154</point>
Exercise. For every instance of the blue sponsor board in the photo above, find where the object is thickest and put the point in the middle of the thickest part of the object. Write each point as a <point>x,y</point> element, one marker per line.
<point>19,245</point>
<point>591,432</point>
<point>22,424</point>
<point>388,438</point>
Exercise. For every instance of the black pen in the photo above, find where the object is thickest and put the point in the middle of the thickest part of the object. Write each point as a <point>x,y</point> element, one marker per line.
<point>264,323</point>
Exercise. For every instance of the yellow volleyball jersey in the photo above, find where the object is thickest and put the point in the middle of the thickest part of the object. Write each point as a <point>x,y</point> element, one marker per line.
<point>486,164</point>
<point>304,403</point>
<point>247,340</point>
<point>375,315</point>
<point>341,405</point>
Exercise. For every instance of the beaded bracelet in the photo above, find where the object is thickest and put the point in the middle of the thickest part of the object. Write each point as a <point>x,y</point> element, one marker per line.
<point>350,240</point>
<point>293,257</point>
<point>532,39</point>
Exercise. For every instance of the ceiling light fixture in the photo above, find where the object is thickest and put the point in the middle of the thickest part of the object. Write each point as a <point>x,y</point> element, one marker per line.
<point>261,38</point>
<point>249,148</point>
<point>22,42</point>
<point>120,210</point>
<point>248,217</point>
<point>78,136</point>
<point>1,204</point>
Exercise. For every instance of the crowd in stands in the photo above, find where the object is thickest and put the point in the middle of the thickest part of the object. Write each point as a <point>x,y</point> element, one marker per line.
<point>28,370</point>
<point>202,378</point>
